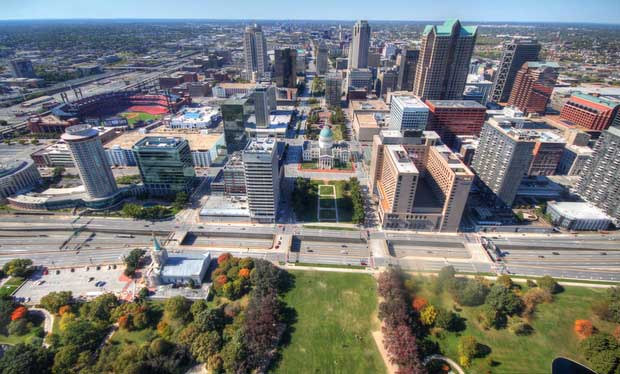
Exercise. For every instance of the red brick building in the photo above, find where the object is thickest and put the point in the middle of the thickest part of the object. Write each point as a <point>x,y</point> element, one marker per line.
<point>450,118</point>
<point>590,112</point>
<point>50,124</point>
<point>533,86</point>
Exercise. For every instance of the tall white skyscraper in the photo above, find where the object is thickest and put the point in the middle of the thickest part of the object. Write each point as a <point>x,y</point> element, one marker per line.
<point>358,53</point>
<point>255,49</point>
<point>90,160</point>
<point>262,179</point>
<point>408,113</point>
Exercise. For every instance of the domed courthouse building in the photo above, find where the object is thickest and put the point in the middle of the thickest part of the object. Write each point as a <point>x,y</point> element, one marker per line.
<point>327,154</point>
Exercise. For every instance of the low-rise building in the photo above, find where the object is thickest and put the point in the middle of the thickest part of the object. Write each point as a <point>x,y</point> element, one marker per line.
<point>18,177</point>
<point>578,216</point>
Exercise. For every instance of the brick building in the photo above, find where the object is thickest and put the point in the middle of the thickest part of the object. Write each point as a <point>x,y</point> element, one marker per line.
<point>451,118</point>
<point>533,86</point>
<point>590,112</point>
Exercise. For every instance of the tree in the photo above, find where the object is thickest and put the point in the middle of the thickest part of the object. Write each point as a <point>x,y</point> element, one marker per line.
<point>402,348</point>
<point>6,308</point>
<point>19,267</point>
<point>100,308</point>
<point>505,281</point>
<point>54,300</point>
<point>468,349</point>
<point>532,298</point>
<point>83,333</point>
<point>19,313</point>
<point>132,261</point>
<point>244,273</point>
<point>583,328</point>
<point>445,277</point>
<point>504,300</point>
<point>447,320</point>
<point>180,200</point>
<point>519,327</point>
<point>549,284</point>
<point>224,257</point>
<point>428,315</point>
<point>206,345</point>
<point>177,309</point>
<point>18,327</point>
<point>489,317</point>
<point>603,353</point>
<point>23,359</point>
<point>419,303</point>
<point>469,292</point>
<point>608,308</point>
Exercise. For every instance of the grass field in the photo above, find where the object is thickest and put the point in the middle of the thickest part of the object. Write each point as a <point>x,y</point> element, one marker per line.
<point>553,333</point>
<point>134,337</point>
<point>335,315</point>
<point>10,286</point>
<point>133,117</point>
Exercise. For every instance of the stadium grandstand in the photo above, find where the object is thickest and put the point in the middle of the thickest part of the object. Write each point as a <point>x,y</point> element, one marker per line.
<point>112,103</point>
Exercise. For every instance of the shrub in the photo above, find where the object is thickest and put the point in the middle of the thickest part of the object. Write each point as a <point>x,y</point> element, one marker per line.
<point>419,303</point>
<point>428,315</point>
<point>19,313</point>
<point>549,284</point>
<point>533,297</point>
<point>583,328</point>
<point>224,257</point>
<point>64,309</point>
<point>244,273</point>
<point>18,327</point>
<point>468,349</point>
<point>519,327</point>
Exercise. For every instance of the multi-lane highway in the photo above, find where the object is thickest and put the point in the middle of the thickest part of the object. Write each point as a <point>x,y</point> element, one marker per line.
<point>69,241</point>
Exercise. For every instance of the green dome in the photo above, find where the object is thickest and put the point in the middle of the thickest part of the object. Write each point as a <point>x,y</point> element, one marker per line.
<point>326,132</point>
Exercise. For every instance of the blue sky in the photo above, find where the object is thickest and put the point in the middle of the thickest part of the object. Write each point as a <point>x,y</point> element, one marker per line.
<point>599,11</point>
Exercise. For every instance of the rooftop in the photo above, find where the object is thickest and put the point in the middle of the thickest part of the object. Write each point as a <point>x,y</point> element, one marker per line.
<point>456,104</point>
<point>197,140</point>
<point>446,28</point>
<point>578,210</point>
<point>542,64</point>
<point>607,102</point>
<point>261,145</point>
<point>184,265</point>
<point>368,105</point>
<point>409,101</point>
<point>401,159</point>
<point>158,142</point>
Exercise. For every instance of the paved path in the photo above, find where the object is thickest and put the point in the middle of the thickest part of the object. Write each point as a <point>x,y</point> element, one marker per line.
<point>48,323</point>
<point>453,364</point>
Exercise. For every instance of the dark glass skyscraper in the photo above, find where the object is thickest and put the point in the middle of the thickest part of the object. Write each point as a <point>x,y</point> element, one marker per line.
<point>165,165</point>
<point>515,54</point>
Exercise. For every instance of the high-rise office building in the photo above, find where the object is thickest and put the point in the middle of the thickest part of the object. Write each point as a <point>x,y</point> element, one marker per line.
<point>322,59</point>
<point>515,53</point>
<point>165,164</point>
<point>599,183</point>
<point>255,51</point>
<point>386,82</point>
<point>503,158</point>
<point>22,68</point>
<point>590,112</point>
<point>533,86</point>
<point>262,108</point>
<point>407,62</point>
<point>333,88</point>
<point>262,179</point>
<point>360,45</point>
<point>443,64</point>
<point>285,68</point>
<point>408,113</point>
<point>91,161</point>
<point>359,79</point>
<point>235,114</point>
<point>419,182</point>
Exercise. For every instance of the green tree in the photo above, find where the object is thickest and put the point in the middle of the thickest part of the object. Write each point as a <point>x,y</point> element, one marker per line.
<point>54,300</point>
<point>177,309</point>
<point>18,267</point>
<point>549,284</point>
<point>206,345</point>
<point>100,308</point>
<point>25,359</point>
<point>505,281</point>
<point>504,300</point>
<point>469,292</point>
<point>180,200</point>
<point>468,349</point>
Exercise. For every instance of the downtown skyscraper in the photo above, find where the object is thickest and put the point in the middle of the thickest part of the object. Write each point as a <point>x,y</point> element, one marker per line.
<point>358,51</point>
<point>443,64</point>
<point>255,51</point>
<point>515,54</point>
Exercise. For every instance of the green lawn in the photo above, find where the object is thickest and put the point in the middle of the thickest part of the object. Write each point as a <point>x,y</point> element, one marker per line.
<point>309,165</point>
<point>326,190</point>
<point>335,315</point>
<point>343,202</point>
<point>553,333</point>
<point>133,117</point>
<point>321,227</point>
<point>134,337</point>
<point>10,286</point>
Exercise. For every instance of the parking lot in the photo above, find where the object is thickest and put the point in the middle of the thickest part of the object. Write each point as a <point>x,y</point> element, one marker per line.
<point>82,282</point>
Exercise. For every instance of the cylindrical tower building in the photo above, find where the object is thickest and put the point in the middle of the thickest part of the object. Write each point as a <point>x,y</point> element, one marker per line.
<point>90,160</point>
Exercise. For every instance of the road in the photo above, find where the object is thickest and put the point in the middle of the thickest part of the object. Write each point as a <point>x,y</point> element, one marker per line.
<point>62,241</point>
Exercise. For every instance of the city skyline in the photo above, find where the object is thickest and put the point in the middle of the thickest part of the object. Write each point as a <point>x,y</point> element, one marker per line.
<point>606,11</point>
